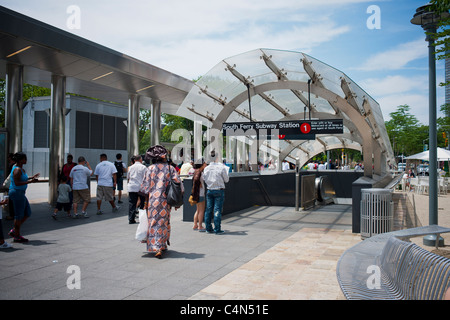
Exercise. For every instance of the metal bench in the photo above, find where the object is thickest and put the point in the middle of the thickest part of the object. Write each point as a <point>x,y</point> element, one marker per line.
<point>399,269</point>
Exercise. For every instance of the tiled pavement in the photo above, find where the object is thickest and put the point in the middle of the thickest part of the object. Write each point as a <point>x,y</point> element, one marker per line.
<point>267,253</point>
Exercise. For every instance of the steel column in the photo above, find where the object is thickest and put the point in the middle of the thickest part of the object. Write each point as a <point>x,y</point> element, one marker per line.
<point>133,125</point>
<point>13,107</point>
<point>432,240</point>
<point>57,133</point>
<point>198,139</point>
<point>155,123</point>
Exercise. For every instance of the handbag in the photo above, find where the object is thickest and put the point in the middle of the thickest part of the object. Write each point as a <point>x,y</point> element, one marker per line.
<point>142,229</point>
<point>173,192</point>
<point>7,181</point>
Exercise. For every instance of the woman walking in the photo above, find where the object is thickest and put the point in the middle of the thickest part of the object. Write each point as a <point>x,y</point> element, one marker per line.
<point>198,195</point>
<point>17,188</point>
<point>156,180</point>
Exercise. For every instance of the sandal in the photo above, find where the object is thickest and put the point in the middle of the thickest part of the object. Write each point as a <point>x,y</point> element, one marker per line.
<point>158,254</point>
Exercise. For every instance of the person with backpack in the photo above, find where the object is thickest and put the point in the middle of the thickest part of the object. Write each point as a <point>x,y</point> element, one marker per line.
<point>121,169</point>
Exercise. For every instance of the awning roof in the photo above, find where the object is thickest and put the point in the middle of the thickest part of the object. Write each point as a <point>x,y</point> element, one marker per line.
<point>91,69</point>
<point>278,83</point>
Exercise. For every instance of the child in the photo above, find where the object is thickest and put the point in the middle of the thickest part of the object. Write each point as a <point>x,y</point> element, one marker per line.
<point>63,200</point>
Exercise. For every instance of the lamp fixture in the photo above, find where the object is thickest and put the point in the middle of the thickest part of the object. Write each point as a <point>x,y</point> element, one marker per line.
<point>18,51</point>
<point>104,75</point>
<point>145,88</point>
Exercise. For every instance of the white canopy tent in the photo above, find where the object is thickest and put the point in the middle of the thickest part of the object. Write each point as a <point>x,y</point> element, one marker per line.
<point>442,155</point>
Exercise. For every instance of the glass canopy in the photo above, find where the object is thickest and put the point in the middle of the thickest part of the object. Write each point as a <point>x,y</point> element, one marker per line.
<point>274,85</point>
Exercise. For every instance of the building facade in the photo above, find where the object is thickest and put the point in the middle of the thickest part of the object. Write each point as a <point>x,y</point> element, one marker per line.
<point>92,127</point>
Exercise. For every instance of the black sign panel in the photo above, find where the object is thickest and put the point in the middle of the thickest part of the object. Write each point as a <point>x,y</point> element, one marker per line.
<point>291,130</point>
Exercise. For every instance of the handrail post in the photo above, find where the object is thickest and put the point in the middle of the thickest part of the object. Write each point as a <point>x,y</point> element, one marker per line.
<point>297,183</point>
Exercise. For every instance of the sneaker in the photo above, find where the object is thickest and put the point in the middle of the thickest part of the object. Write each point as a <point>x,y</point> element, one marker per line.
<point>20,239</point>
<point>75,216</point>
<point>5,245</point>
<point>54,216</point>
<point>11,233</point>
<point>85,214</point>
<point>116,208</point>
<point>99,212</point>
<point>220,232</point>
<point>120,201</point>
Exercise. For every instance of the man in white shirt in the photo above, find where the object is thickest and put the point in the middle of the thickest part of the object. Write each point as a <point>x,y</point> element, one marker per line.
<point>105,173</point>
<point>79,176</point>
<point>215,175</point>
<point>135,176</point>
<point>321,166</point>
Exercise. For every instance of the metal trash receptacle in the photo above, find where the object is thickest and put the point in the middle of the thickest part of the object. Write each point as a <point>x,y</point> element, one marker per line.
<point>377,212</point>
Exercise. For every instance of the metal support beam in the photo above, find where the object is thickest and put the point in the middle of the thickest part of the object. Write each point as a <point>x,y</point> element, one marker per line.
<point>433,190</point>
<point>57,133</point>
<point>133,125</point>
<point>155,123</point>
<point>13,107</point>
<point>198,139</point>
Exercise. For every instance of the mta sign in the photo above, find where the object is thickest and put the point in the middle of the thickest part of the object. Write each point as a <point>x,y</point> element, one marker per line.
<point>285,130</point>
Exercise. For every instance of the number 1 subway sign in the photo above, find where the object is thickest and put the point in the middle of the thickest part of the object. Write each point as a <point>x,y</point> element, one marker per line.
<point>285,130</point>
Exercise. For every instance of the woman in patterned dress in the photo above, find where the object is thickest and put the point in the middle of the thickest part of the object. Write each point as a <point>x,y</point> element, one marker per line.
<point>154,185</point>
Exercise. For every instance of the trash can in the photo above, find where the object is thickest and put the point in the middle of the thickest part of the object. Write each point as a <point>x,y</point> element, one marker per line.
<point>377,212</point>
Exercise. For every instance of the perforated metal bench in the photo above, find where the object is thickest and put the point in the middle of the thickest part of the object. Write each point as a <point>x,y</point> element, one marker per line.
<point>405,270</point>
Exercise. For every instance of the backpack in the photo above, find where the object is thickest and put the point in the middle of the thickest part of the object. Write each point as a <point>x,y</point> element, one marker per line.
<point>119,168</point>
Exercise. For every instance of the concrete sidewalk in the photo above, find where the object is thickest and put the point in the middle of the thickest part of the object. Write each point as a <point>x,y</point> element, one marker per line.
<point>267,253</point>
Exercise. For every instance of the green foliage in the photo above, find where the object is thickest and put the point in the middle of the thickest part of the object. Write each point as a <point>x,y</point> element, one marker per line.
<point>441,37</point>
<point>408,136</point>
<point>29,91</point>
<point>172,123</point>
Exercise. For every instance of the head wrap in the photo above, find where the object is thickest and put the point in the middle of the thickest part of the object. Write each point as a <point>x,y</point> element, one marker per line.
<point>156,153</point>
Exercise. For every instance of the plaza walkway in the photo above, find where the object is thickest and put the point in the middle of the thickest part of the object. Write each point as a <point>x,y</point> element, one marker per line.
<point>267,253</point>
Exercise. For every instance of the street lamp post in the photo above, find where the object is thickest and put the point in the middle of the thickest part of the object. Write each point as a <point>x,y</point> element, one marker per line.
<point>428,20</point>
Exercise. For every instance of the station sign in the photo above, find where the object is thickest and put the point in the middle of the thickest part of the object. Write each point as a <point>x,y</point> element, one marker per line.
<point>286,130</point>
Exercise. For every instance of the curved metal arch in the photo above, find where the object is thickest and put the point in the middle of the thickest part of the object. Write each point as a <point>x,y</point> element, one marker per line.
<point>295,145</point>
<point>304,159</point>
<point>363,127</point>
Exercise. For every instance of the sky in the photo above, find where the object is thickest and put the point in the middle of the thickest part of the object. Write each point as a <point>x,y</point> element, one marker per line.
<point>372,42</point>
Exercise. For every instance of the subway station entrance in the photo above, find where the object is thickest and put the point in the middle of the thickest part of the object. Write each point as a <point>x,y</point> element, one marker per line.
<point>285,89</point>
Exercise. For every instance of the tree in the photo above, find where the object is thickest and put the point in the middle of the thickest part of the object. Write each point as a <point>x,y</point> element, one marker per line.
<point>172,123</point>
<point>444,126</point>
<point>29,91</point>
<point>441,37</point>
<point>407,136</point>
